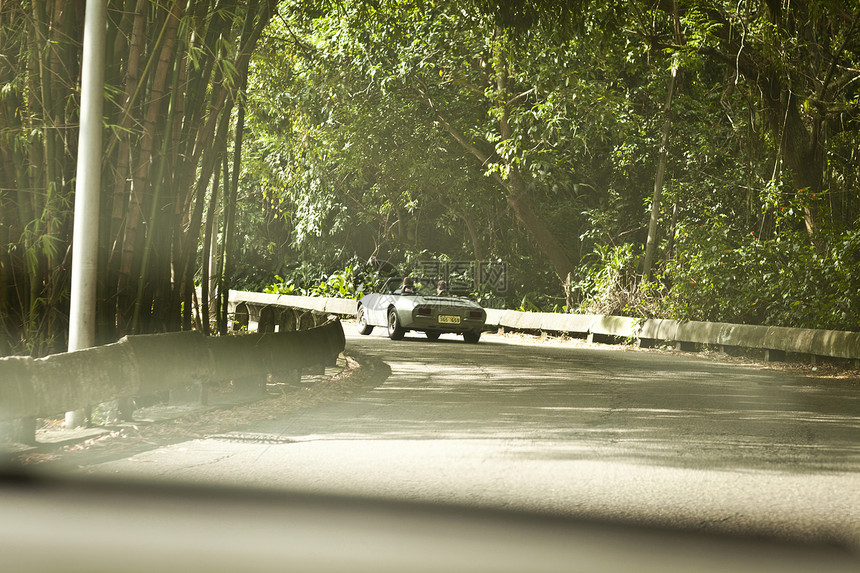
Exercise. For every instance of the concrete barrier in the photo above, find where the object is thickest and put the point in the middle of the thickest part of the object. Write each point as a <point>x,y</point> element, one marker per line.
<point>68,381</point>
<point>554,322</point>
<point>700,332</point>
<point>265,299</point>
<point>618,326</point>
<point>17,394</point>
<point>654,329</point>
<point>494,317</point>
<point>520,320</point>
<point>345,306</point>
<point>149,364</point>
<point>165,361</point>
<point>837,344</point>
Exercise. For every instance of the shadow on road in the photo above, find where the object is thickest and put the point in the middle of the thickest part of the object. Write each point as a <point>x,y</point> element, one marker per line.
<point>569,402</point>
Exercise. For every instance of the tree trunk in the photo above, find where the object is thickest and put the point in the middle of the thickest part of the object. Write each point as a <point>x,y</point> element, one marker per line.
<point>803,154</point>
<point>207,252</point>
<point>231,192</point>
<point>477,250</point>
<point>651,243</point>
<point>132,244</point>
<point>226,270</point>
<point>119,202</point>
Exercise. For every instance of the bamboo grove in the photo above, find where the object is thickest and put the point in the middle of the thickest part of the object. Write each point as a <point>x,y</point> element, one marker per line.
<point>175,73</point>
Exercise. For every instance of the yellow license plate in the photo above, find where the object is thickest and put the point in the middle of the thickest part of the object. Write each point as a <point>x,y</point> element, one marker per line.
<point>448,319</point>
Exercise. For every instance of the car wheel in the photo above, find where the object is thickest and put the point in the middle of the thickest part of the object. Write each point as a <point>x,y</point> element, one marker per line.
<point>361,318</point>
<point>472,337</point>
<point>432,335</point>
<point>395,331</point>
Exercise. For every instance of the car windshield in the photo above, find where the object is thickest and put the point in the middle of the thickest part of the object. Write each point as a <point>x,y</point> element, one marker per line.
<point>420,287</point>
<point>648,215</point>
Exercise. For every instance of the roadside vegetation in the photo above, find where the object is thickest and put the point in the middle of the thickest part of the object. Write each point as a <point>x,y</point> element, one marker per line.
<point>682,159</point>
<point>549,134</point>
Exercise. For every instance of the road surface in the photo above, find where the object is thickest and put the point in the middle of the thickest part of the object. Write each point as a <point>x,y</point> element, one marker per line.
<point>564,428</point>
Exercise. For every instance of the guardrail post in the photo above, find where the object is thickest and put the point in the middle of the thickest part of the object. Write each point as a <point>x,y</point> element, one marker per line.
<point>305,321</point>
<point>241,317</point>
<point>21,431</point>
<point>253,318</point>
<point>287,320</point>
<point>771,355</point>
<point>125,409</point>
<point>267,320</point>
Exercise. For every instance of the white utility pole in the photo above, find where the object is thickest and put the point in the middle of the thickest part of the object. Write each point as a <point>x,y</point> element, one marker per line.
<point>82,312</point>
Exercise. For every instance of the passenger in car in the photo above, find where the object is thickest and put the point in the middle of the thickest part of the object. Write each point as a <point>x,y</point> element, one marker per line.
<point>442,288</point>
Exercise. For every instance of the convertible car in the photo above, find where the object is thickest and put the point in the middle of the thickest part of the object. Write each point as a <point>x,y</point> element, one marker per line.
<point>419,308</point>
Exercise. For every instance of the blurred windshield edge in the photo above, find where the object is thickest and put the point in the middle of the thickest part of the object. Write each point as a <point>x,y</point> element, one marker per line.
<point>50,522</point>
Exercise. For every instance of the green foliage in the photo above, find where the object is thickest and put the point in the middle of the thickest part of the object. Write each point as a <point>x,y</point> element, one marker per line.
<point>312,281</point>
<point>540,302</point>
<point>609,285</point>
<point>351,154</point>
<point>721,275</point>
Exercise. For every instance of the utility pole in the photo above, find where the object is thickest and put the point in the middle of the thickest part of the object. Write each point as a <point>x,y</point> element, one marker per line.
<point>82,315</point>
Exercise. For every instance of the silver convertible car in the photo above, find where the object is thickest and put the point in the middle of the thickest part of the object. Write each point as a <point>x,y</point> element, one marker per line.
<point>419,308</point>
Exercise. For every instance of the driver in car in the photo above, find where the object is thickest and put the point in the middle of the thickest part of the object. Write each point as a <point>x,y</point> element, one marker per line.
<point>408,287</point>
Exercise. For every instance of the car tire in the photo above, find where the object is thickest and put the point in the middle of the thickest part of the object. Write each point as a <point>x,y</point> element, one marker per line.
<point>395,331</point>
<point>472,337</point>
<point>361,319</point>
<point>432,336</point>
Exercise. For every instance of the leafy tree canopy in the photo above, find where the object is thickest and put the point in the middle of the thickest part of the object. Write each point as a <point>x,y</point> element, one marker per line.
<point>529,132</point>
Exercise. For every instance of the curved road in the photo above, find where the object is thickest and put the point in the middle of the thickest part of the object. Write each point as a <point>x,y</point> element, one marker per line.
<point>565,428</point>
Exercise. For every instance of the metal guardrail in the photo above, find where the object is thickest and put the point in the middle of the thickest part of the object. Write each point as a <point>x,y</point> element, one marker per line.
<point>776,341</point>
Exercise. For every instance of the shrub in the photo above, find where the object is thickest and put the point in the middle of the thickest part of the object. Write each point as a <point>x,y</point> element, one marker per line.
<point>786,281</point>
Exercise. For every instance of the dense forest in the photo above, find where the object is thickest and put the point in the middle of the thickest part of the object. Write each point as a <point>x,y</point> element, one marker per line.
<point>689,159</point>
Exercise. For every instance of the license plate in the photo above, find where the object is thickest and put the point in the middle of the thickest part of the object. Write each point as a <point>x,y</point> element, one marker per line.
<point>448,319</point>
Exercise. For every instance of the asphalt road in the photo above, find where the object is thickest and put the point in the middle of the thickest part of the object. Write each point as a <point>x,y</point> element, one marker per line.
<point>564,428</point>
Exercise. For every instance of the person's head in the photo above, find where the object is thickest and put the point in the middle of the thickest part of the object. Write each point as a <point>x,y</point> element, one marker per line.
<point>408,283</point>
<point>441,286</point>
